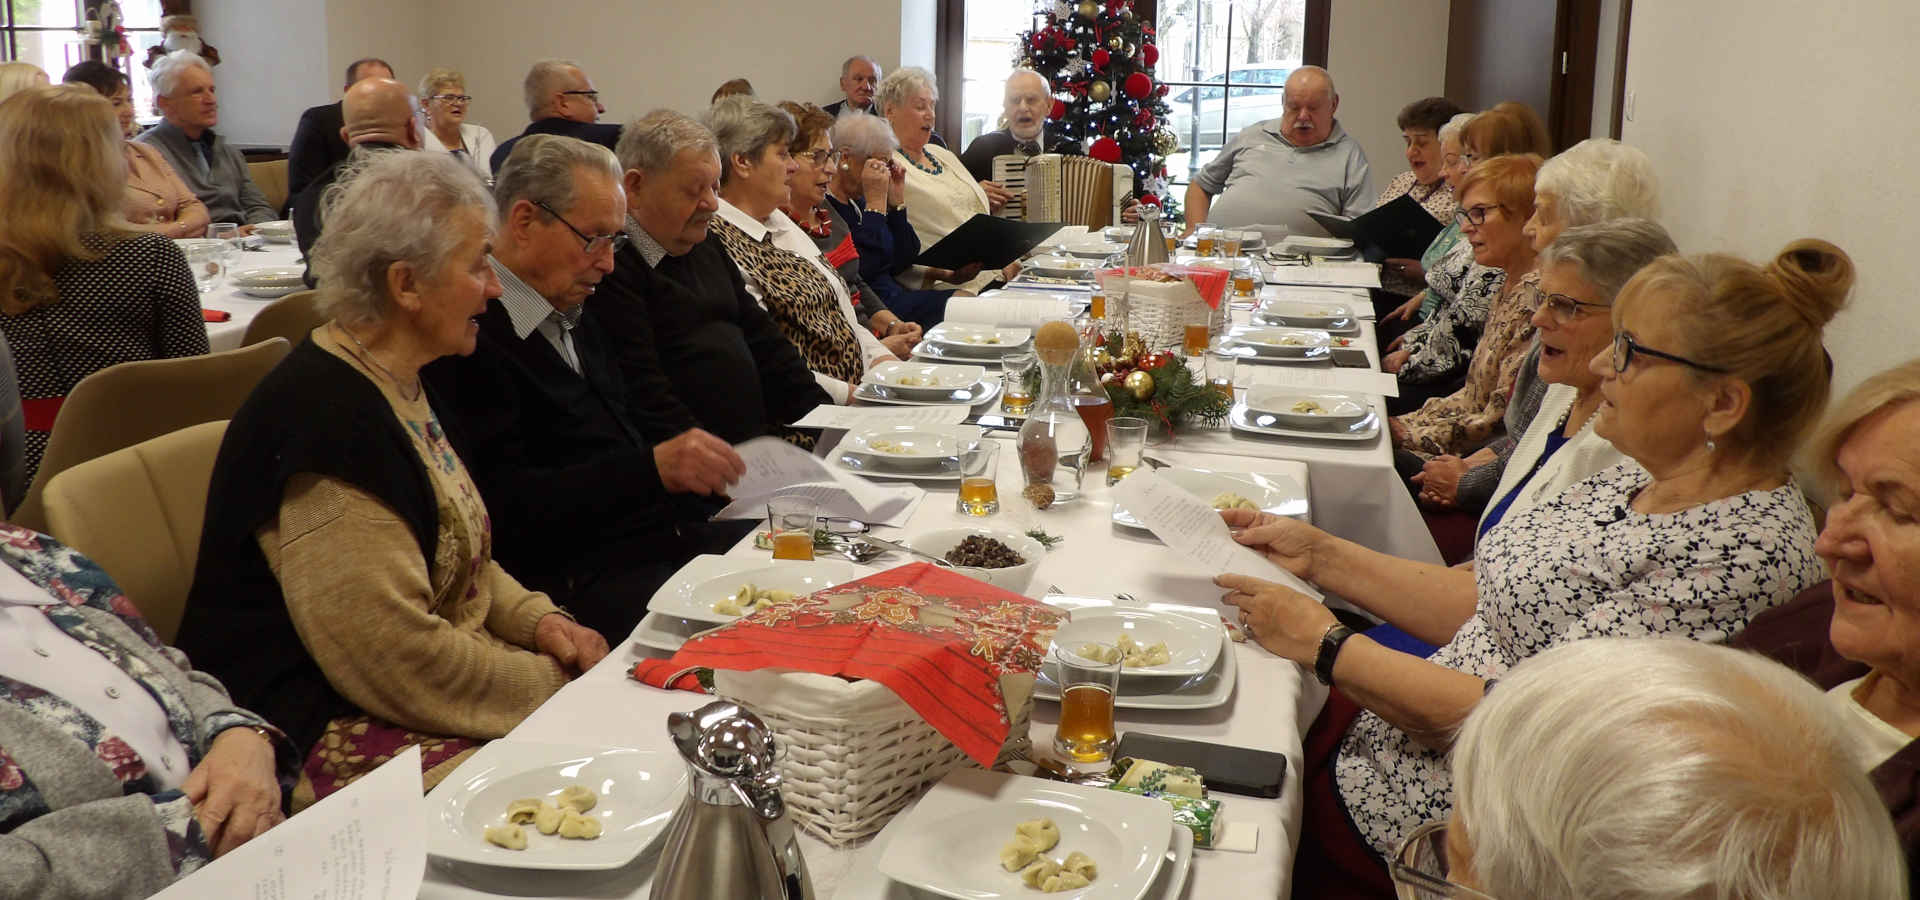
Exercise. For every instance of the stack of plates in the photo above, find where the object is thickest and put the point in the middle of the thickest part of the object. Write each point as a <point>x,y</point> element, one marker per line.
<point>1276,494</point>
<point>949,844</point>
<point>1061,266</point>
<point>910,452</point>
<point>268,282</point>
<point>280,232</point>
<point>1269,344</point>
<point>1318,415</point>
<point>926,384</point>
<point>1250,241</point>
<point>1200,675</point>
<point>1328,317</point>
<point>983,344</point>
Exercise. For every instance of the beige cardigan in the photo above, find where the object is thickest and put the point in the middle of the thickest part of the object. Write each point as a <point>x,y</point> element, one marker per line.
<point>156,198</point>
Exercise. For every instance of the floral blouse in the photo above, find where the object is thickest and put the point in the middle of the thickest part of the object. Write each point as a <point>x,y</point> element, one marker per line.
<point>1463,420</point>
<point>1442,346</point>
<point>1585,564</point>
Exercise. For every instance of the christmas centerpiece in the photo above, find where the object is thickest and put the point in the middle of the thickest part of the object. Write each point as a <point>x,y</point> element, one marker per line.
<point>1156,385</point>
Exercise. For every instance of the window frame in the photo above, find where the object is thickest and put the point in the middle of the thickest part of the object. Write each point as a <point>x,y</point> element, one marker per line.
<point>10,33</point>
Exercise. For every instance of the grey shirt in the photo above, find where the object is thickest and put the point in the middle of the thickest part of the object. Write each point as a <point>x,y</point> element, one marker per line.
<point>218,176</point>
<point>1260,179</point>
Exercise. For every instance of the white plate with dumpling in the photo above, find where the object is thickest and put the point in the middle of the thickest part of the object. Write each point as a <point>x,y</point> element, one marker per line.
<point>632,794</point>
<point>951,842</point>
<point>710,594</point>
<point>1273,493</point>
<point>1191,643</point>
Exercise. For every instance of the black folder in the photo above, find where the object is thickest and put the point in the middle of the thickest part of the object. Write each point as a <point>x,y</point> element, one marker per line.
<point>1399,229</point>
<point>988,240</point>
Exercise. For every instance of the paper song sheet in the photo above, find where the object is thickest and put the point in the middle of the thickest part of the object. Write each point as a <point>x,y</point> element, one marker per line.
<point>827,415</point>
<point>1353,381</point>
<point>1001,309</point>
<point>1195,533</point>
<point>776,467</point>
<point>365,842</point>
<point>1327,274</point>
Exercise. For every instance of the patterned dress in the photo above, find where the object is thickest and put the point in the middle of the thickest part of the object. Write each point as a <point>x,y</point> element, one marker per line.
<point>1463,420</point>
<point>799,300</point>
<point>1441,346</point>
<point>1585,564</point>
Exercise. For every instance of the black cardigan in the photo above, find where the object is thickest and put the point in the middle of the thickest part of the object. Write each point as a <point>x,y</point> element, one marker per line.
<point>313,413</point>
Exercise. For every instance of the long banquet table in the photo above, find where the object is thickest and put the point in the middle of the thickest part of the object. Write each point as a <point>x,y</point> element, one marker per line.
<point>1353,494</point>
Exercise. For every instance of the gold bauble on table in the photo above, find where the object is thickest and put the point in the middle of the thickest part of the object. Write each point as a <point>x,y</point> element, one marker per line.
<point>1099,91</point>
<point>1140,384</point>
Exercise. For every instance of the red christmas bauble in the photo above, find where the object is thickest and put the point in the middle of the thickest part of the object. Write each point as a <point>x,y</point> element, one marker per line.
<point>1161,90</point>
<point>1149,200</point>
<point>1149,54</point>
<point>1105,149</point>
<point>1143,120</point>
<point>1100,58</point>
<point>1059,110</point>
<point>1138,85</point>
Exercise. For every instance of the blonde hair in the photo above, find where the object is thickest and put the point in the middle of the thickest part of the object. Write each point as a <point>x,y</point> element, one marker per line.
<point>440,77</point>
<point>1760,325</point>
<point>18,76</point>
<point>62,174</point>
<point>1894,388</point>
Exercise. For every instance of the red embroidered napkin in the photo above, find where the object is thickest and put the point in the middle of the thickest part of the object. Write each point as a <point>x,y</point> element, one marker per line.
<point>1209,281</point>
<point>939,640</point>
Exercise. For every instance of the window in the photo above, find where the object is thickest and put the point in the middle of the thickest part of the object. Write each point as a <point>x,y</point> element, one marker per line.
<point>51,34</point>
<point>1225,63</point>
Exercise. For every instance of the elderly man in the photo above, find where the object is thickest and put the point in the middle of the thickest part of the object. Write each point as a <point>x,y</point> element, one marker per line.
<point>1275,172</point>
<point>560,100</point>
<point>380,115</point>
<point>859,77</point>
<point>213,169</point>
<point>584,506</point>
<point>698,349</point>
<point>1028,101</point>
<point>316,143</point>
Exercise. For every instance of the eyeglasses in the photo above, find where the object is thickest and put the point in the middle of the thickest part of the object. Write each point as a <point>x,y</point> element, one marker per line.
<point>821,158</point>
<point>1469,158</point>
<point>1565,309</point>
<point>452,98</point>
<point>594,242</point>
<point>1420,866</point>
<point>1474,215</point>
<point>592,96</point>
<point>1625,348</point>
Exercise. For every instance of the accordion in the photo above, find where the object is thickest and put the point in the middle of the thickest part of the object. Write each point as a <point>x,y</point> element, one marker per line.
<point>1071,190</point>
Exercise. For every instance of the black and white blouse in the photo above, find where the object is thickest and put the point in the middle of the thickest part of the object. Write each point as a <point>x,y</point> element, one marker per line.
<point>1585,564</point>
<point>137,301</point>
<point>1442,346</point>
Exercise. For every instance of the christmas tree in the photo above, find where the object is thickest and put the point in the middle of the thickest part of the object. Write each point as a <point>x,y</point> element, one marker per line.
<point>1098,56</point>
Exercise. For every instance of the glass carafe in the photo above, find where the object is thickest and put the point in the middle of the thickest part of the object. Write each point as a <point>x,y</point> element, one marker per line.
<point>1055,441</point>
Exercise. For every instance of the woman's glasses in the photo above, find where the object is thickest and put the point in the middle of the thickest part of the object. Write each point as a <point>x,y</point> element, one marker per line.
<point>452,98</point>
<point>1565,309</point>
<point>1625,348</point>
<point>1475,215</point>
<point>820,159</point>
<point>1419,867</point>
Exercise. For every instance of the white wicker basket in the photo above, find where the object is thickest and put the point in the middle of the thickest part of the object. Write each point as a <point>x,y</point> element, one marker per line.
<point>853,754</point>
<point>1159,311</point>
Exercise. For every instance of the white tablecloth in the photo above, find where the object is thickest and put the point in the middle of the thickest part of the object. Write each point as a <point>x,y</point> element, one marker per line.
<point>226,335</point>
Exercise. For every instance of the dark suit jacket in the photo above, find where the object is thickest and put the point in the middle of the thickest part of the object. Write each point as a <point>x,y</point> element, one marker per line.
<point>316,146</point>
<point>306,205</point>
<point>836,107</point>
<point>598,132</point>
<point>979,156</point>
<point>698,350</point>
<point>568,477</point>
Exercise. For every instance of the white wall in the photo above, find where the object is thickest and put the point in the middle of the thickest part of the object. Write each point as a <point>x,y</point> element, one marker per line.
<point>394,30</point>
<point>1769,122</point>
<point>1383,55</point>
<point>270,68</point>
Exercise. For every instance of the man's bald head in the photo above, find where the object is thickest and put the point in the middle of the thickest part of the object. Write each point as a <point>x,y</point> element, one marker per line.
<point>1310,101</point>
<point>380,111</point>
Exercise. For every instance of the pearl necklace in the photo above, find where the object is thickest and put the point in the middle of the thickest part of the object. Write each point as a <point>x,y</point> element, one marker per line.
<point>938,167</point>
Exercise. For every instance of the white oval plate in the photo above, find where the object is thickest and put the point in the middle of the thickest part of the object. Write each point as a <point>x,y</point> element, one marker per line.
<point>911,446</point>
<point>1059,266</point>
<point>695,600</point>
<point>638,792</point>
<point>269,276</point>
<point>1246,421</point>
<point>1193,644</point>
<point>1273,494</point>
<point>1333,410</point>
<point>1288,342</point>
<point>970,339</point>
<point>1330,316</point>
<point>923,379</point>
<point>1094,249</point>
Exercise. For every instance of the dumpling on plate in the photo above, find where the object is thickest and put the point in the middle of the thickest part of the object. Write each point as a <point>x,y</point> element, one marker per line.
<point>547,818</point>
<point>1063,880</point>
<point>1080,864</point>
<point>577,797</point>
<point>508,836</point>
<point>1038,873</point>
<point>1017,854</point>
<point>579,827</point>
<point>520,812</point>
<point>1041,832</point>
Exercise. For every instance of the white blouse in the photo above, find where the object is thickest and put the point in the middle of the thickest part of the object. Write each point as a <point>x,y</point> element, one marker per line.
<point>479,146</point>
<point>1874,740</point>
<point>937,204</point>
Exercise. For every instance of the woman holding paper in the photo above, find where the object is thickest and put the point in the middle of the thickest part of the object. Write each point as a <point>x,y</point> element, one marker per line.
<point>940,195</point>
<point>1715,372</point>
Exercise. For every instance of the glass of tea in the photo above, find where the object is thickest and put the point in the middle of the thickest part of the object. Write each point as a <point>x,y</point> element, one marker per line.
<point>1085,737</point>
<point>1126,442</point>
<point>1230,243</point>
<point>1019,382</point>
<point>979,479</point>
<point>1171,233</point>
<point>1246,280</point>
<point>1205,239</point>
<point>790,522</point>
<point>1220,371</point>
<point>1198,335</point>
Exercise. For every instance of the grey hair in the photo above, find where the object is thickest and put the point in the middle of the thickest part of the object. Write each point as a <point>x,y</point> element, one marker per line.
<point>1599,179</point>
<point>1454,126</point>
<point>1650,768</point>
<point>652,142</point>
<point>744,126</point>
<point>864,135</point>
<point>390,206</point>
<point>437,78</point>
<point>847,66</point>
<point>168,69</point>
<point>901,84</point>
<point>540,170</point>
<point>542,81</point>
<point>1608,253</point>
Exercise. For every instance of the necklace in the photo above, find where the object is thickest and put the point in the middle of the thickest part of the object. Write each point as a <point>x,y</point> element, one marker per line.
<point>937,169</point>
<point>374,361</point>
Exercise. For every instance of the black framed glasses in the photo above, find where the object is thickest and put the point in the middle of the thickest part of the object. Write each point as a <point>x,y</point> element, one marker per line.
<point>821,158</point>
<point>594,242</point>
<point>1474,215</point>
<point>592,96</point>
<point>1565,309</point>
<point>1419,867</point>
<point>452,98</point>
<point>1625,348</point>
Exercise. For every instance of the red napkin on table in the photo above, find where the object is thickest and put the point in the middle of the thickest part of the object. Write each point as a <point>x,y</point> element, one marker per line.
<point>215,315</point>
<point>939,640</point>
<point>1210,282</point>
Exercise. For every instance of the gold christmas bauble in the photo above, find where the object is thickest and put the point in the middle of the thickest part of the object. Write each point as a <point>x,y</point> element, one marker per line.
<point>1165,142</point>
<point>1089,9</point>
<point>1114,43</point>
<point>1140,383</point>
<point>1099,91</point>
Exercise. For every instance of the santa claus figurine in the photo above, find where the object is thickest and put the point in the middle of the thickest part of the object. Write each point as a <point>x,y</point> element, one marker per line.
<point>179,30</point>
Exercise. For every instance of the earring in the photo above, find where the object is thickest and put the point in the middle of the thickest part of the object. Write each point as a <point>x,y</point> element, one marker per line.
<point>1710,445</point>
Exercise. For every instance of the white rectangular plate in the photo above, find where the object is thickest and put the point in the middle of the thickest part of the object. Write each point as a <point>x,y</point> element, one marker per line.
<point>1246,421</point>
<point>1276,494</point>
<point>667,633</point>
<point>1268,340</point>
<point>971,339</point>
<point>972,395</point>
<point>910,447</point>
<point>1192,641</point>
<point>1335,410</point>
<point>638,790</point>
<point>923,380</point>
<point>708,579</point>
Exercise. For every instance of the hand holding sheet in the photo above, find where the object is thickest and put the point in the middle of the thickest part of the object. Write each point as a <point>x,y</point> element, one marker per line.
<point>1195,532</point>
<point>777,467</point>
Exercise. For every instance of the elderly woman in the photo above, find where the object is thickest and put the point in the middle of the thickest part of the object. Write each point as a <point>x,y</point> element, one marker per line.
<point>1394,323</point>
<point>1858,636</point>
<point>1714,375</point>
<point>940,195</point>
<point>346,583</point>
<point>444,93</point>
<point>816,163</point>
<point>1654,770</point>
<point>781,265</point>
<point>1420,124</point>
<point>1596,180</point>
<point>122,767</point>
<point>80,290</point>
<point>869,192</point>
<point>157,200</point>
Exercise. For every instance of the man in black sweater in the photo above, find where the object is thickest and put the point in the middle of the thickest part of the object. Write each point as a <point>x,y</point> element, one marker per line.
<point>1028,103</point>
<point>560,100</point>
<point>584,505</point>
<point>691,341</point>
<point>317,144</point>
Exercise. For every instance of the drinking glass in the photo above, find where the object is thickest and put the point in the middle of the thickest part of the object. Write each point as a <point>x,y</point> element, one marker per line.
<point>1230,242</point>
<point>1019,381</point>
<point>1221,368</point>
<point>790,521</point>
<point>1205,239</point>
<point>1085,737</point>
<point>1171,233</point>
<point>208,260</point>
<point>1246,280</point>
<point>979,479</point>
<point>1126,441</point>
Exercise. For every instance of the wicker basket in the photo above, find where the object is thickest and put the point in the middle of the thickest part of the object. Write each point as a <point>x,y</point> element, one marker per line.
<point>852,753</point>
<point>1159,311</point>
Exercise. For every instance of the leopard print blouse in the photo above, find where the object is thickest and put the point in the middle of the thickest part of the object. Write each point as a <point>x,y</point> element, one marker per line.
<point>800,301</point>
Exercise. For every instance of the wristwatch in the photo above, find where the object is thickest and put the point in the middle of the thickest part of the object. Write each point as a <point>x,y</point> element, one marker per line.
<point>1330,642</point>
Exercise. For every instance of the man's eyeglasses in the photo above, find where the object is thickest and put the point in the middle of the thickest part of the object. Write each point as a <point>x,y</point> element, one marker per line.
<point>1625,348</point>
<point>592,96</point>
<point>1565,309</point>
<point>452,98</point>
<point>1420,866</point>
<point>820,159</point>
<point>1474,215</point>
<point>594,242</point>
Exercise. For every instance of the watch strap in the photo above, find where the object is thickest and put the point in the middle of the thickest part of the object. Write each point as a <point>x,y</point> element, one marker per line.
<point>1330,643</point>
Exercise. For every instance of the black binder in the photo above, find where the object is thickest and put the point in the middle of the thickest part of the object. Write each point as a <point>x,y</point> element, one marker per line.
<point>1399,229</point>
<point>988,240</point>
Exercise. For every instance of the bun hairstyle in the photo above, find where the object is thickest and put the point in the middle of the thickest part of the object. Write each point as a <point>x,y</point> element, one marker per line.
<point>1761,325</point>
